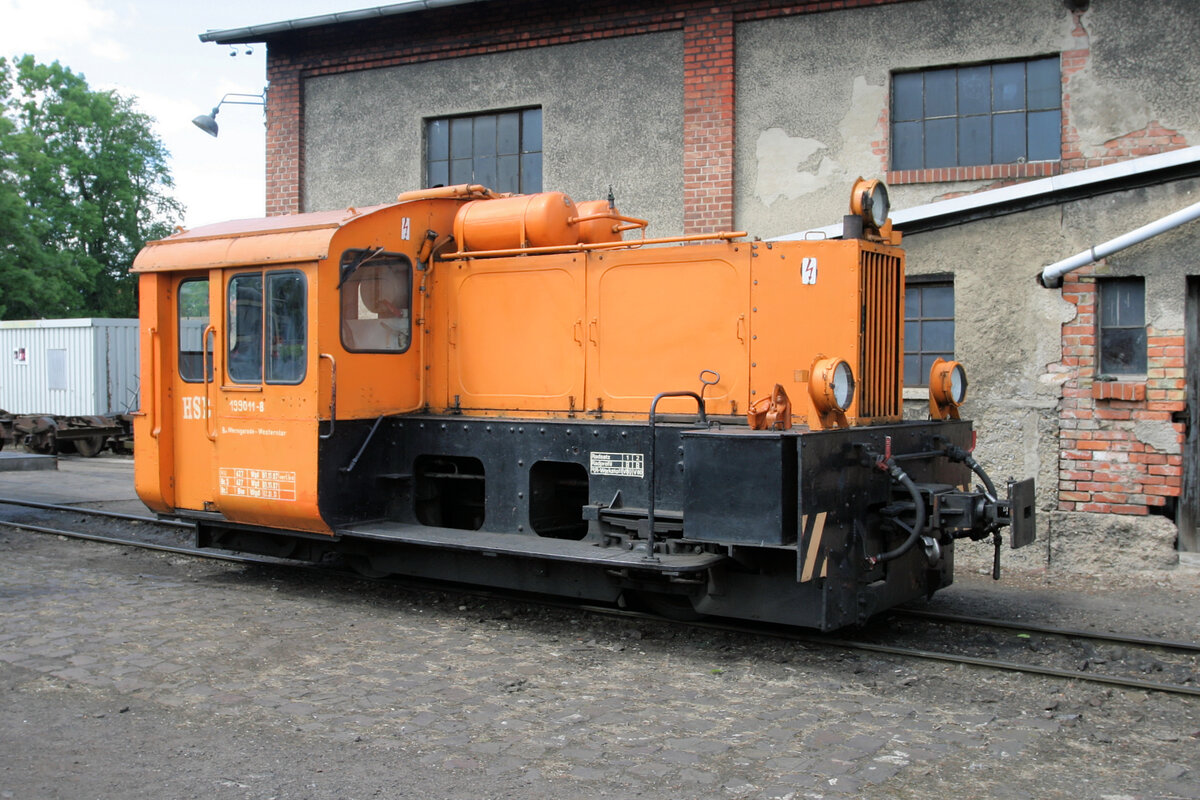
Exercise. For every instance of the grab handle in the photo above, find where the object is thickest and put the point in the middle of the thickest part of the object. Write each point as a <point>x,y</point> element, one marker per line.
<point>332,394</point>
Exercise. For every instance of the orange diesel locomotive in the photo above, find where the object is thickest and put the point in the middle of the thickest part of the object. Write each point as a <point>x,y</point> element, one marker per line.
<point>501,390</point>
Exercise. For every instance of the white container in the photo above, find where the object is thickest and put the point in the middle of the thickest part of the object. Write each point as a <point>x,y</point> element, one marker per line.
<point>69,367</point>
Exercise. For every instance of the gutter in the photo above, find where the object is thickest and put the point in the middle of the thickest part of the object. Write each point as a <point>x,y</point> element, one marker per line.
<point>261,33</point>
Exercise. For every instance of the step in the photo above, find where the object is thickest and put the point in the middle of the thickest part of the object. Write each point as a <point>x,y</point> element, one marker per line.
<point>529,546</point>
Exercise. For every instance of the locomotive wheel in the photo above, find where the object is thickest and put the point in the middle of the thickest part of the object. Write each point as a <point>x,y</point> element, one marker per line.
<point>89,447</point>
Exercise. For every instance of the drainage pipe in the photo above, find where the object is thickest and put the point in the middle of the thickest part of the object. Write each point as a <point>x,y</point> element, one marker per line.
<point>1051,276</point>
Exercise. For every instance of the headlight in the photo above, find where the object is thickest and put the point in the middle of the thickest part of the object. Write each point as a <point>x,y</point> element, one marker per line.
<point>947,388</point>
<point>843,386</point>
<point>832,385</point>
<point>869,200</point>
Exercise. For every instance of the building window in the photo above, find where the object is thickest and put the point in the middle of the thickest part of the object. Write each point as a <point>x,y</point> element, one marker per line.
<point>502,151</point>
<point>986,114</point>
<point>279,338</point>
<point>1122,326</point>
<point>928,327</point>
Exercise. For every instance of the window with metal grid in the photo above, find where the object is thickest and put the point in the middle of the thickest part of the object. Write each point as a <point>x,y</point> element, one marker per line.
<point>500,150</point>
<point>1122,324</point>
<point>1002,113</point>
<point>928,327</point>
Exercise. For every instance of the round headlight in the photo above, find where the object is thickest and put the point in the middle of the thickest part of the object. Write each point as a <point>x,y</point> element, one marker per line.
<point>832,385</point>
<point>843,386</point>
<point>869,200</point>
<point>947,388</point>
<point>958,384</point>
<point>880,205</point>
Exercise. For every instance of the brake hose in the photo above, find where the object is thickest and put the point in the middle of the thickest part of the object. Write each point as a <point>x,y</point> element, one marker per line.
<point>914,533</point>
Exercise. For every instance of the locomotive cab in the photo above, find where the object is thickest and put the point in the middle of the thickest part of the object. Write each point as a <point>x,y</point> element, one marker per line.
<point>502,390</point>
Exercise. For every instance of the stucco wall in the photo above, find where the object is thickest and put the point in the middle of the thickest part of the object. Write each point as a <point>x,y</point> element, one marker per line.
<point>1008,329</point>
<point>812,96</point>
<point>612,114</point>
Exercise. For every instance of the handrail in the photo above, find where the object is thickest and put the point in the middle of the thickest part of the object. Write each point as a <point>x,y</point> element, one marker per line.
<point>569,248</point>
<point>332,394</point>
<point>155,390</point>
<point>449,192</point>
<point>650,467</point>
<point>209,407</point>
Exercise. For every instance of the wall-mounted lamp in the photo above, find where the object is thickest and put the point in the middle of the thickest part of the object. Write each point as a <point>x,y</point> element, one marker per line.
<point>208,122</point>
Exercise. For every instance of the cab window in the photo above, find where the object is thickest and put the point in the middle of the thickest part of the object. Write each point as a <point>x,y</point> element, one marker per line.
<point>267,328</point>
<point>376,301</point>
<point>194,353</point>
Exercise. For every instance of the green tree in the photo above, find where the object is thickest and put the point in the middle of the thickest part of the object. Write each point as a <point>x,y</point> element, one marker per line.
<point>84,183</point>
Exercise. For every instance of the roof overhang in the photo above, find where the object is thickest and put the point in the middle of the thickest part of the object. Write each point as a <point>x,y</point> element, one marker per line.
<point>276,30</point>
<point>1131,174</point>
<point>282,239</point>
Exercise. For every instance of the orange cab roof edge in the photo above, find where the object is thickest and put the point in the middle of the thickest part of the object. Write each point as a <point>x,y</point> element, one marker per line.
<point>279,239</point>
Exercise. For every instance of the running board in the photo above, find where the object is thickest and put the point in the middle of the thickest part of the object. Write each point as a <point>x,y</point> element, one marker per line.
<point>528,546</point>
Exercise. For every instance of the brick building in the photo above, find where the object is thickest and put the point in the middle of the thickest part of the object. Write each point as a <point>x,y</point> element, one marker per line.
<point>1013,133</point>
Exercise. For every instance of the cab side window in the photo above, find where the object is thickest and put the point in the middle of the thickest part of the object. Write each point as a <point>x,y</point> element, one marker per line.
<point>245,329</point>
<point>286,327</point>
<point>376,302</point>
<point>267,325</point>
<point>195,355</point>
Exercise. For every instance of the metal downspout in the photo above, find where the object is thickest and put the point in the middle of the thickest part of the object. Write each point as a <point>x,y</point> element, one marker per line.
<point>1051,276</point>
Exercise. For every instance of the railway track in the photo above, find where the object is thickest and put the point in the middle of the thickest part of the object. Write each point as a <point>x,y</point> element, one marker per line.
<point>1183,657</point>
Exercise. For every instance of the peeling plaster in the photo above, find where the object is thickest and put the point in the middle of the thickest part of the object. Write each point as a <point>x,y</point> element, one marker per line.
<point>1102,112</point>
<point>862,127</point>
<point>781,161</point>
<point>1159,434</point>
<point>791,166</point>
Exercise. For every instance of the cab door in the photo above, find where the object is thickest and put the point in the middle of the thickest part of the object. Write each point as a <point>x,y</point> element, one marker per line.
<point>189,365</point>
<point>264,409</point>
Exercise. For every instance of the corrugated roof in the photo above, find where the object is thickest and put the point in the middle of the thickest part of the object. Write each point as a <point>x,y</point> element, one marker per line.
<point>274,30</point>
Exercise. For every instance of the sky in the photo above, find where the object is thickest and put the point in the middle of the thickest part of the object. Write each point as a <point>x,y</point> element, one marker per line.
<point>150,50</point>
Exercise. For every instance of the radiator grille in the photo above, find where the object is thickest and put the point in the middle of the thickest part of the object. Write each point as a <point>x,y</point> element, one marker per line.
<point>882,292</point>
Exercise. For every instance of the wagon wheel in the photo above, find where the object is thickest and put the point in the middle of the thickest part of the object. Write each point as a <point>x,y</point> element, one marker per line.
<point>89,447</point>
<point>40,443</point>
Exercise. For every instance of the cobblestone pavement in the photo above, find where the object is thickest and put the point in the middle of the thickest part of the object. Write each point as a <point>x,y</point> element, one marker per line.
<point>138,675</point>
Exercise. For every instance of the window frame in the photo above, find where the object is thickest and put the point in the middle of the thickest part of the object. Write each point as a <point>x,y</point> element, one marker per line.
<point>972,120</point>
<point>207,365</point>
<point>920,283</point>
<point>273,362</point>
<point>349,281</point>
<point>524,153</point>
<point>1107,286</point>
<point>266,359</point>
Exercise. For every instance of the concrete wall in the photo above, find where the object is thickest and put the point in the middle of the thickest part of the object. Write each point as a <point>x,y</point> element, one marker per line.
<point>813,92</point>
<point>1029,403</point>
<point>612,115</point>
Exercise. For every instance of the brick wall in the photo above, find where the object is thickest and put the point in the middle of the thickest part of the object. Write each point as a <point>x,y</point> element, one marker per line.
<point>1103,465</point>
<point>708,83</point>
<point>708,91</point>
